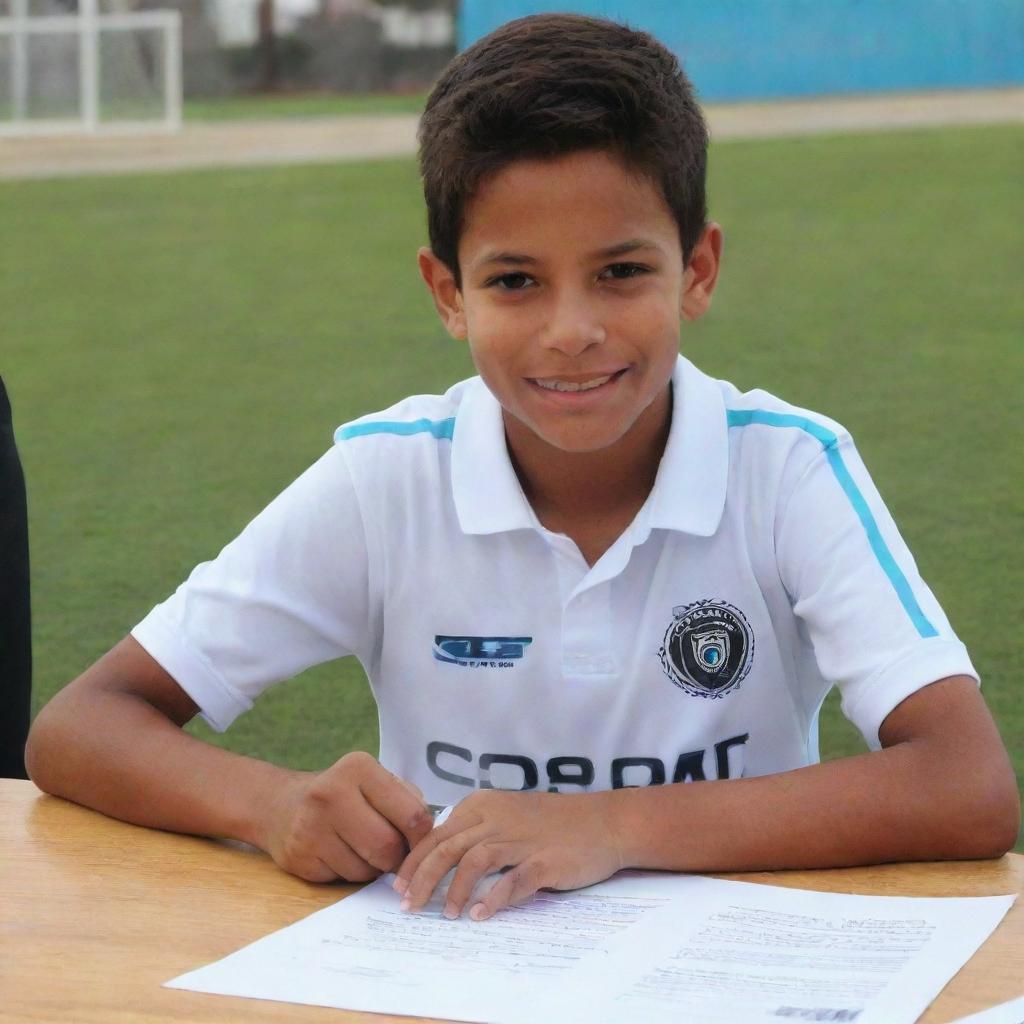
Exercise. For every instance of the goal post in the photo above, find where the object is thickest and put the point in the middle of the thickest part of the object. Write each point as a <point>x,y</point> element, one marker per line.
<point>91,71</point>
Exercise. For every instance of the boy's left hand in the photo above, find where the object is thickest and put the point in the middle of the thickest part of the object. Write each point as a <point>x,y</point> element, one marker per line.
<point>546,840</point>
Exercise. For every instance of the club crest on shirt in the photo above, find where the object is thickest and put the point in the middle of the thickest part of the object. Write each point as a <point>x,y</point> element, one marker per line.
<point>708,648</point>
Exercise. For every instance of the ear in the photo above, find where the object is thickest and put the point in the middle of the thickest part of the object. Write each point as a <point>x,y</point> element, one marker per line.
<point>701,274</point>
<point>447,297</point>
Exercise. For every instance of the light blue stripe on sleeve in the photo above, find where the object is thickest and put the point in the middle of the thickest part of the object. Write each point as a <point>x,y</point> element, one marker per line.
<point>830,443</point>
<point>438,428</point>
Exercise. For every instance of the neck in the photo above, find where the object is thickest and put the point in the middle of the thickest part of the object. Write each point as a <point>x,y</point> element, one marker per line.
<point>570,487</point>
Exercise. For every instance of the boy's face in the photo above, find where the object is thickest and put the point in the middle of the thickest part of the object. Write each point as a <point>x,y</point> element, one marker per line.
<point>572,290</point>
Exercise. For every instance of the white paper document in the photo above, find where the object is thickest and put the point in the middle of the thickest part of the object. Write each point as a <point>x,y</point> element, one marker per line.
<point>1005,1013</point>
<point>643,946</point>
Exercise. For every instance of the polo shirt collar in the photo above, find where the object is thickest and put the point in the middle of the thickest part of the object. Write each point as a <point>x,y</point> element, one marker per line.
<point>689,490</point>
<point>488,496</point>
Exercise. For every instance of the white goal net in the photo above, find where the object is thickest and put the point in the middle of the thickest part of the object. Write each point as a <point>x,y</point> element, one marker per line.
<point>68,66</point>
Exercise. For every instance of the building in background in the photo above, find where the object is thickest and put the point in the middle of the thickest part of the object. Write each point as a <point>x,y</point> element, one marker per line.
<point>237,21</point>
<point>232,46</point>
<point>753,49</point>
<point>367,46</point>
<point>732,49</point>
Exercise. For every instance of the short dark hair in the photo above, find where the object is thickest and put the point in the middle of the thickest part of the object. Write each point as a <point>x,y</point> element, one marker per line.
<point>552,84</point>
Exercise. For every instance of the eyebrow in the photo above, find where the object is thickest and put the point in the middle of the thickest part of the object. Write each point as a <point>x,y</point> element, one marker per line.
<point>621,249</point>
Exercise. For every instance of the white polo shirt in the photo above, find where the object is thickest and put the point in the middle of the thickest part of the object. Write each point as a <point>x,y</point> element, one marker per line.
<point>763,569</point>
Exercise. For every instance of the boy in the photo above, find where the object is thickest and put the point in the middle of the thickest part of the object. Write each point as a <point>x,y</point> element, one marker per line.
<point>597,593</point>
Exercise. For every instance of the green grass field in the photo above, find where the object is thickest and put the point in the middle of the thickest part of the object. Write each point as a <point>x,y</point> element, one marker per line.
<point>178,347</point>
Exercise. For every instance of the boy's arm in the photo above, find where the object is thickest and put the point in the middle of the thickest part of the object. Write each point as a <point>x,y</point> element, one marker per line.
<point>941,788</point>
<point>112,740</point>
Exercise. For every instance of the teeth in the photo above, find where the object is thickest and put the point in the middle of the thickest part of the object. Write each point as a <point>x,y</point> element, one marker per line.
<point>565,385</point>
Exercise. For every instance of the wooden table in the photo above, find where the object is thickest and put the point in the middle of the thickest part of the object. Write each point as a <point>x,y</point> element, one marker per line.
<point>95,915</point>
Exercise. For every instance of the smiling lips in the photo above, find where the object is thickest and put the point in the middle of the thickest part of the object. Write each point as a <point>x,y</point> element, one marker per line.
<point>566,385</point>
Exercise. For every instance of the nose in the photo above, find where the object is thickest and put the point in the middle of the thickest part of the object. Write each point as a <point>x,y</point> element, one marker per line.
<point>573,324</point>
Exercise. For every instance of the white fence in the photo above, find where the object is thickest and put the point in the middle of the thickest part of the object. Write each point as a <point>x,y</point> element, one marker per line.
<point>89,72</point>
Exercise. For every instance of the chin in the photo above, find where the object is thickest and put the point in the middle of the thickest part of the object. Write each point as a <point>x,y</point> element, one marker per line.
<point>580,444</point>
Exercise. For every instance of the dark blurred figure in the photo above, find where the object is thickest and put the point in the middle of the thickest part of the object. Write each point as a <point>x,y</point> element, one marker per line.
<point>15,622</point>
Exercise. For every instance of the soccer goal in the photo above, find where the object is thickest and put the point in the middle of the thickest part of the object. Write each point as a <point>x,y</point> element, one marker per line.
<point>88,70</point>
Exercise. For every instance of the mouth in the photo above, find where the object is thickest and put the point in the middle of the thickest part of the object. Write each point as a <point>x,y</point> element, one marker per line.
<point>576,384</point>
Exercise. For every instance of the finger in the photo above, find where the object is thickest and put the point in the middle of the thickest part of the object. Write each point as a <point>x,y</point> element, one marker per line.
<point>428,844</point>
<point>312,870</point>
<point>338,856</point>
<point>323,859</point>
<point>370,835</point>
<point>416,791</point>
<point>392,797</point>
<point>481,860</point>
<point>413,859</point>
<point>447,852</point>
<point>516,886</point>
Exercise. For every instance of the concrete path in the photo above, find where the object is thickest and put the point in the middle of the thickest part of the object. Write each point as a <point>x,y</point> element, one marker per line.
<point>332,139</point>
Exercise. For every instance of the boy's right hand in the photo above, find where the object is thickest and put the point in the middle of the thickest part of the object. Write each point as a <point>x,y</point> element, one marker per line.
<point>354,821</point>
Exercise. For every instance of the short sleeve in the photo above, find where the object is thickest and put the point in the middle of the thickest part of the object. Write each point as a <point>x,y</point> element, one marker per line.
<point>289,592</point>
<point>877,630</point>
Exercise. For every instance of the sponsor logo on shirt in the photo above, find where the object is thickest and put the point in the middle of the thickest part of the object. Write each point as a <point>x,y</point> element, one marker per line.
<point>708,648</point>
<point>481,651</point>
<point>492,770</point>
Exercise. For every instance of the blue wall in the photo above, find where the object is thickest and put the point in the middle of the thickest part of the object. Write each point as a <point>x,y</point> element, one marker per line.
<point>737,49</point>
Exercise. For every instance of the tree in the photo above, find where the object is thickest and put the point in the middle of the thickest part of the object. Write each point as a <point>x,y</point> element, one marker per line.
<point>267,45</point>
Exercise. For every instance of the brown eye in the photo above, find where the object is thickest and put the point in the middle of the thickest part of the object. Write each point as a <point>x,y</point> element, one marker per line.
<point>511,282</point>
<point>624,271</point>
